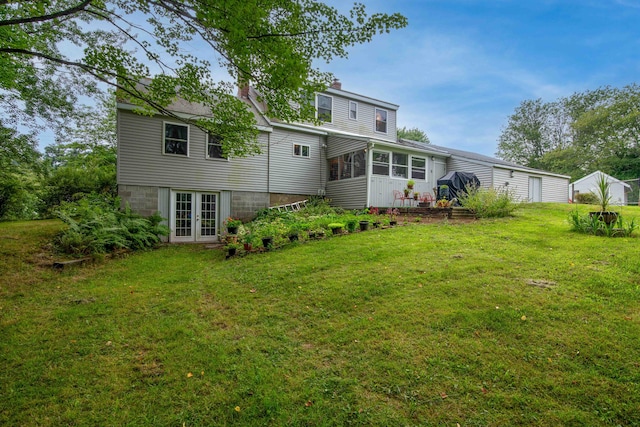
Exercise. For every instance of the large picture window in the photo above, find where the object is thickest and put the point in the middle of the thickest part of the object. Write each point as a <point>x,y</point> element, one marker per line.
<point>349,165</point>
<point>381,120</point>
<point>418,167</point>
<point>400,166</point>
<point>324,106</point>
<point>176,139</point>
<point>381,163</point>
<point>214,147</point>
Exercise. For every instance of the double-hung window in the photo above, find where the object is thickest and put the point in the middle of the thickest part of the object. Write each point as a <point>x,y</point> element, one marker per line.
<point>214,147</point>
<point>175,139</point>
<point>353,110</point>
<point>300,150</point>
<point>418,167</point>
<point>400,165</point>
<point>380,163</point>
<point>381,120</point>
<point>324,107</point>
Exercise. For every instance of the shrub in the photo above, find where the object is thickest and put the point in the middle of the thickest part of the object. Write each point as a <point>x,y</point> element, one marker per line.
<point>592,224</point>
<point>489,202</point>
<point>586,198</point>
<point>96,225</point>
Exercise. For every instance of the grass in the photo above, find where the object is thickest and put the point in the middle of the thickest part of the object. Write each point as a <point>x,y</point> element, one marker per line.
<point>514,321</point>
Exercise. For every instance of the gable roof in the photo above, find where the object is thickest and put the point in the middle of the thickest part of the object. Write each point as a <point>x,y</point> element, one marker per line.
<point>488,161</point>
<point>609,177</point>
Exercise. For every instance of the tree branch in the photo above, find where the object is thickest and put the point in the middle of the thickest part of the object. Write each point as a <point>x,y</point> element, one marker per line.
<point>75,9</point>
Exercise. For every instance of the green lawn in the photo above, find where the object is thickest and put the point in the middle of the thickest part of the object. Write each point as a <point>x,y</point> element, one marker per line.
<point>515,321</point>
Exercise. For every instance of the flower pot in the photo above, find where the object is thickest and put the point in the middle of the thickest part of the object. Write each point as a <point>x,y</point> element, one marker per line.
<point>606,217</point>
<point>267,242</point>
<point>376,224</point>
<point>231,251</point>
<point>364,225</point>
<point>293,237</point>
<point>248,247</point>
<point>393,222</point>
<point>232,230</point>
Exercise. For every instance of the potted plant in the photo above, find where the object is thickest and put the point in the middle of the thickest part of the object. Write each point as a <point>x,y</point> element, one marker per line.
<point>294,232</point>
<point>364,225</point>
<point>443,192</point>
<point>232,225</point>
<point>604,198</point>
<point>410,184</point>
<point>393,216</point>
<point>406,192</point>
<point>231,249</point>
<point>248,240</point>
<point>443,203</point>
<point>416,195</point>
<point>336,228</point>
<point>267,233</point>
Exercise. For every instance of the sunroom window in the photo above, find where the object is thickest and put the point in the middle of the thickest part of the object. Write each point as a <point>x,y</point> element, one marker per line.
<point>418,167</point>
<point>400,167</point>
<point>380,163</point>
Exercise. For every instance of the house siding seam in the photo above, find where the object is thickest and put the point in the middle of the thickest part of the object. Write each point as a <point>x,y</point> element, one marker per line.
<point>141,161</point>
<point>293,174</point>
<point>365,124</point>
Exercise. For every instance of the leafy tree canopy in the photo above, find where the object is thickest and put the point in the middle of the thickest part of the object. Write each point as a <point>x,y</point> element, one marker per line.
<point>413,134</point>
<point>184,45</point>
<point>593,130</point>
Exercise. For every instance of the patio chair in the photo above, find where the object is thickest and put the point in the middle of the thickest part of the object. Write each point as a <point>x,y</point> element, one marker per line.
<point>399,195</point>
<point>427,198</point>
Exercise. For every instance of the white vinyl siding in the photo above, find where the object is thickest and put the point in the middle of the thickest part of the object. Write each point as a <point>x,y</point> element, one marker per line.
<point>364,125</point>
<point>140,162</point>
<point>295,175</point>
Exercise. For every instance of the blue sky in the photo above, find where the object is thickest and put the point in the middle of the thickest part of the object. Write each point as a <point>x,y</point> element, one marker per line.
<point>461,67</point>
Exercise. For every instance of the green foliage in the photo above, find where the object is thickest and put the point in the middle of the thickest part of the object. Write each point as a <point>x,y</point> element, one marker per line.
<point>413,134</point>
<point>502,322</point>
<point>579,134</point>
<point>97,226</point>
<point>602,192</point>
<point>273,45</point>
<point>489,202</point>
<point>586,198</point>
<point>591,223</point>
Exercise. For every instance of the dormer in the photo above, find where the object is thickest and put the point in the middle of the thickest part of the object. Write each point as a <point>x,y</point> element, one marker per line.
<point>356,114</point>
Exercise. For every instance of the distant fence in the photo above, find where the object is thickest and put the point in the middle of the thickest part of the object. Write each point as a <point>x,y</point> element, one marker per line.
<point>632,195</point>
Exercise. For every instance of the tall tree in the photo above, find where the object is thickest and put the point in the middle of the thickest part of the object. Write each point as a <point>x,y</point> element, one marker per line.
<point>271,44</point>
<point>413,134</point>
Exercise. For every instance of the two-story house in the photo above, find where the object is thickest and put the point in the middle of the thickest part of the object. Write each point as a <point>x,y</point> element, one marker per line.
<point>354,158</point>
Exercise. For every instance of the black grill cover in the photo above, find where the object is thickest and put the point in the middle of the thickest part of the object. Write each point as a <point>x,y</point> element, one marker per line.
<point>457,182</point>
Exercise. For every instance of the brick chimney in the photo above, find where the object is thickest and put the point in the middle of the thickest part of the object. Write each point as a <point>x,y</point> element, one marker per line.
<point>336,84</point>
<point>243,91</point>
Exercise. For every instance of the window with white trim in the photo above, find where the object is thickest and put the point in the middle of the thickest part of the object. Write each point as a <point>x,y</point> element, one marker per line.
<point>380,163</point>
<point>214,147</point>
<point>324,108</point>
<point>175,139</point>
<point>353,110</point>
<point>400,165</point>
<point>418,167</point>
<point>381,120</point>
<point>300,150</point>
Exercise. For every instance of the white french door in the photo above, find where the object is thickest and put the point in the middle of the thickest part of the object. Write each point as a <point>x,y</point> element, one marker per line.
<point>193,216</point>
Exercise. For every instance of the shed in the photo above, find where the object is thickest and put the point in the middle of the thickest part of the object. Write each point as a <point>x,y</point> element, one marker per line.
<point>588,184</point>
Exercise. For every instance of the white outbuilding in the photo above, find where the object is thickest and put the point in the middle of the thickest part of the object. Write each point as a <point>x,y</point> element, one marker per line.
<point>588,184</point>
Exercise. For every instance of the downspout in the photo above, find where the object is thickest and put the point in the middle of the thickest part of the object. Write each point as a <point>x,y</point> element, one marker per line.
<point>369,153</point>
